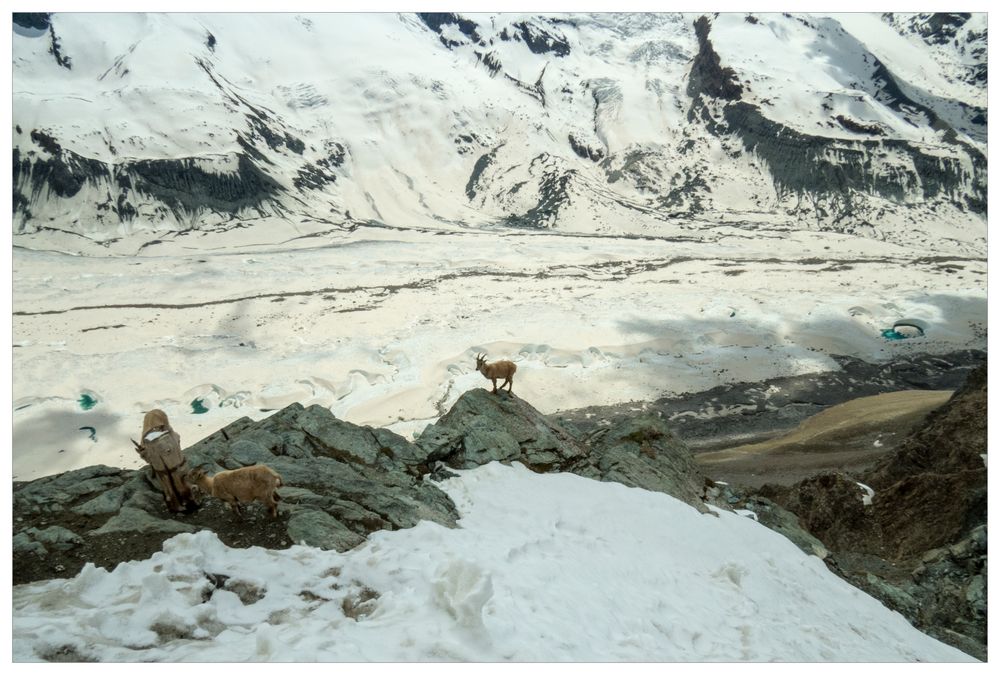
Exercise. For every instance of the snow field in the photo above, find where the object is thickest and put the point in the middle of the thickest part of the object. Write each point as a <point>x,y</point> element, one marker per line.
<point>544,567</point>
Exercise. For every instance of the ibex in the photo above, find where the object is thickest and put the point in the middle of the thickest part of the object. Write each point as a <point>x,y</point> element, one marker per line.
<point>242,486</point>
<point>497,370</point>
<point>161,448</point>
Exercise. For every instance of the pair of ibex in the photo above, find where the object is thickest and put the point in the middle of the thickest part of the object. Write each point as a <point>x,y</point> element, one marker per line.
<point>161,448</point>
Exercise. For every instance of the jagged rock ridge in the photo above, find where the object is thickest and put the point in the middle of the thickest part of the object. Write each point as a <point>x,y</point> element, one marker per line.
<point>341,481</point>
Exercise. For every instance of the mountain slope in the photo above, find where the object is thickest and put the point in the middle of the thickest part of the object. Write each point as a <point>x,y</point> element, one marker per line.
<point>138,126</point>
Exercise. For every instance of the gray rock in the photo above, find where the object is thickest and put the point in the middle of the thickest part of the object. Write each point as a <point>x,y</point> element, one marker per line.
<point>397,449</point>
<point>55,537</point>
<point>342,481</point>
<point>975,595</point>
<point>131,519</point>
<point>482,445</point>
<point>359,476</point>
<point>643,452</point>
<point>483,427</point>
<point>245,452</point>
<point>109,501</point>
<point>23,544</point>
<point>437,442</point>
<point>338,439</point>
<point>892,595</point>
<point>53,493</point>
<point>639,452</point>
<point>319,529</point>
<point>144,497</point>
<point>295,444</point>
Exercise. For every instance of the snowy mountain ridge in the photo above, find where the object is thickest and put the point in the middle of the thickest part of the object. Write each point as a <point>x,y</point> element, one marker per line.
<point>132,127</point>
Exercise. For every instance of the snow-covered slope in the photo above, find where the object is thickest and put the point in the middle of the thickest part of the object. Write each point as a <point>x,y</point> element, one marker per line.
<point>544,567</point>
<point>131,126</point>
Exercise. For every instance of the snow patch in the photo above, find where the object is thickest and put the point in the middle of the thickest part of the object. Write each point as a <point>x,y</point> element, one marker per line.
<point>866,499</point>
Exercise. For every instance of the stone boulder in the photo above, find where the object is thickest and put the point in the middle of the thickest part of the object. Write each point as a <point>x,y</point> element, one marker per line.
<point>482,427</point>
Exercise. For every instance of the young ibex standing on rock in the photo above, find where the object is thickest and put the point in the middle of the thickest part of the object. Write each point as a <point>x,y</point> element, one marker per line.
<point>497,370</point>
<point>161,448</point>
<point>242,486</point>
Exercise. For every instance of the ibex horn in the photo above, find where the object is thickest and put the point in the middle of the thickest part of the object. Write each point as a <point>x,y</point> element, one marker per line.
<point>137,446</point>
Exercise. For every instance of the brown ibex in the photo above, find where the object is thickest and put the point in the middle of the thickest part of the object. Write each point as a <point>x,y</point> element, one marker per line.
<point>161,448</point>
<point>497,370</point>
<point>242,486</point>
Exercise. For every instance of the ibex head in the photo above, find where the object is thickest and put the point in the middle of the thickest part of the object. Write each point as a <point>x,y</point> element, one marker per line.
<point>480,362</point>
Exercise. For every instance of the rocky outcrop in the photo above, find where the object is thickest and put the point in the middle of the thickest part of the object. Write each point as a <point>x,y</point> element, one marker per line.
<point>341,481</point>
<point>638,452</point>
<point>919,543</point>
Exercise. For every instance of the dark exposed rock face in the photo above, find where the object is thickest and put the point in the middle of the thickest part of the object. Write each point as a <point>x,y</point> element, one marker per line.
<point>317,175</point>
<point>37,20</point>
<point>56,50</point>
<point>182,185</point>
<point>952,440</point>
<point>834,173</point>
<point>437,20</point>
<point>481,165</point>
<point>491,60</point>
<point>644,452</point>
<point>553,194</point>
<point>583,149</point>
<point>482,427</point>
<point>540,40</point>
<point>940,27</point>
<point>64,173</point>
<point>920,546</point>
<point>708,77</point>
<point>801,164</point>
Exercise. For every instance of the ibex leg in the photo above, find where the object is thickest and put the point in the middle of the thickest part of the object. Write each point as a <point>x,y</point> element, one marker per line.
<point>183,490</point>
<point>168,490</point>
